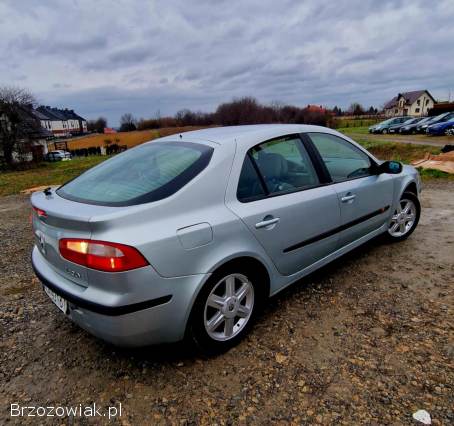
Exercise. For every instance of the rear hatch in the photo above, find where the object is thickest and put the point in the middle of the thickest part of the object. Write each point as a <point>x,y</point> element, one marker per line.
<point>53,218</point>
<point>133,181</point>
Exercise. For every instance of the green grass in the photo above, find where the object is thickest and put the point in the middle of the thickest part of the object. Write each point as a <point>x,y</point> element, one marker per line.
<point>405,153</point>
<point>45,174</point>
<point>397,151</point>
<point>353,130</point>
<point>353,123</point>
<point>428,174</point>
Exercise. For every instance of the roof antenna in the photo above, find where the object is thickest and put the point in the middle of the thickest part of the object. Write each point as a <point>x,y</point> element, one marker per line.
<point>181,137</point>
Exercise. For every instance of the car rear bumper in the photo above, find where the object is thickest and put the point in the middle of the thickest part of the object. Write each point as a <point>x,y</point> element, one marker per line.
<point>159,316</point>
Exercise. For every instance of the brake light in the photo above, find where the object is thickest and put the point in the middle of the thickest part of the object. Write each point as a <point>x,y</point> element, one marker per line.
<point>101,255</point>
<point>39,212</point>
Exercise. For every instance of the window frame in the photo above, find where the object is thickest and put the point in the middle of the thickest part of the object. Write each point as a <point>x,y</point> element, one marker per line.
<point>374,164</point>
<point>303,144</point>
<point>324,177</point>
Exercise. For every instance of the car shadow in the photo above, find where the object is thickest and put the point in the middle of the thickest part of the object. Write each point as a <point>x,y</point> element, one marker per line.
<point>184,352</point>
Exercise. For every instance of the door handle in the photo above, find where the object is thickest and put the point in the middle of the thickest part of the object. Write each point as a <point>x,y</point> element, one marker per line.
<point>348,197</point>
<point>267,222</point>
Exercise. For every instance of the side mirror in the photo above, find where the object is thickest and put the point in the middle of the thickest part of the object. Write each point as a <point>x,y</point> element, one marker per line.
<point>391,167</point>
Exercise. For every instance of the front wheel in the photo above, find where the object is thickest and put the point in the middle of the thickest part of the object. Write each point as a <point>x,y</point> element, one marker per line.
<point>225,310</point>
<point>405,217</point>
<point>384,131</point>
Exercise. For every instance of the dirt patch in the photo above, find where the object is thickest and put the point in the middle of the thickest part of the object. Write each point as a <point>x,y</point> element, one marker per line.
<point>367,340</point>
<point>443,162</point>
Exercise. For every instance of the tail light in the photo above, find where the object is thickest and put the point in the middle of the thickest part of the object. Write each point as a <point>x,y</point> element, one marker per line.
<point>101,255</point>
<point>39,212</point>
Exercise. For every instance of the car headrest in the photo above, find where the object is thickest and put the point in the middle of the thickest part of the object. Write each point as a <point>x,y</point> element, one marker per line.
<point>273,166</point>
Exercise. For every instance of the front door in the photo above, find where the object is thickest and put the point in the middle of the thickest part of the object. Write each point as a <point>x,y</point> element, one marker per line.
<point>281,201</point>
<point>365,198</point>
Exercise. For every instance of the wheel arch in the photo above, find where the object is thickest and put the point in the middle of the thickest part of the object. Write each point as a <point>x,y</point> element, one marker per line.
<point>240,260</point>
<point>411,187</point>
<point>249,262</point>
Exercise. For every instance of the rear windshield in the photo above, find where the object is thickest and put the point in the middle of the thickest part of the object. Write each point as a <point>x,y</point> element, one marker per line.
<point>147,173</point>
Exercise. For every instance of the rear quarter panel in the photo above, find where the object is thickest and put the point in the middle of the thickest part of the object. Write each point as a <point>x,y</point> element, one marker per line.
<point>156,229</point>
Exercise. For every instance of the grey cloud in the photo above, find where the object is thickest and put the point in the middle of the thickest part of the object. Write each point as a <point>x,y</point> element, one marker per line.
<point>58,45</point>
<point>111,57</point>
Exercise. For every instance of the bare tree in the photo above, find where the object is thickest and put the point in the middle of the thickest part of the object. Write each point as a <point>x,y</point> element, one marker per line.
<point>17,125</point>
<point>97,125</point>
<point>356,109</point>
<point>128,123</point>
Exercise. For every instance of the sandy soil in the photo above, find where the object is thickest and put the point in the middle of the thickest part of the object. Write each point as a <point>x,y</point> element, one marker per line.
<point>367,340</point>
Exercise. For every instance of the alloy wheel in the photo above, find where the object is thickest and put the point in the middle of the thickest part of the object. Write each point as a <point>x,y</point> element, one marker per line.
<point>403,218</point>
<point>229,307</point>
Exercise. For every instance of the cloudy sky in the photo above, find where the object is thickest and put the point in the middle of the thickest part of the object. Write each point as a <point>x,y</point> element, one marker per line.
<point>108,57</point>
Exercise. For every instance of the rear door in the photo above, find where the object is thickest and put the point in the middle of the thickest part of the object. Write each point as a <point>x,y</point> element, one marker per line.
<point>284,203</point>
<point>364,196</point>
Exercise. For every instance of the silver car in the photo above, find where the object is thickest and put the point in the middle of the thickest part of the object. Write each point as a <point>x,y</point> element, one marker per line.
<point>189,235</point>
<point>58,155</point>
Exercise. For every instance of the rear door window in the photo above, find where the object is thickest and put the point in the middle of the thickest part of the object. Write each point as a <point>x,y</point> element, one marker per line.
<point>284,166</point>
<point>143,174</point>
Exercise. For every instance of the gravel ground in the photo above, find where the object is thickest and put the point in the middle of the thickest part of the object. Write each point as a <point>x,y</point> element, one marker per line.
<point>367,340</point>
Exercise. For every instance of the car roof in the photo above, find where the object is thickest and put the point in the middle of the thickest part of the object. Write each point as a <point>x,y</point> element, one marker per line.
<point>256,132</point>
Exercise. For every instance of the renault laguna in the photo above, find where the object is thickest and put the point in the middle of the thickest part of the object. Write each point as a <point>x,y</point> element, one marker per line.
<point>187,236</point>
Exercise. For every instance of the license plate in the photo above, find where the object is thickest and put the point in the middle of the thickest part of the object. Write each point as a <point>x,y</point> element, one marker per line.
<point>61,303</point>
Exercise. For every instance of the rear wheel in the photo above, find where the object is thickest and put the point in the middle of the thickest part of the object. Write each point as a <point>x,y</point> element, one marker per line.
<point>225,309</point>
<point>405,217</point>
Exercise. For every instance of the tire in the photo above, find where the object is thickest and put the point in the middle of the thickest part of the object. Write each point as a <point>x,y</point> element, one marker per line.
<point>384,131</point>
<point>224,303</point>
<point>404,226</point>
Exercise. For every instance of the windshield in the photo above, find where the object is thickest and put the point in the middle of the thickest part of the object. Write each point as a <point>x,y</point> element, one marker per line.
<point>439,117</point>
<point>390,120</point>
<point>147,173</point>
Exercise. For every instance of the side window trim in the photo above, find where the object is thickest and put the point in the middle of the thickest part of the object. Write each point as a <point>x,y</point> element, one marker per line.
<point>300,146</point>
<point>373,163</point>
<point>317,161</point>
<point>257,170</point>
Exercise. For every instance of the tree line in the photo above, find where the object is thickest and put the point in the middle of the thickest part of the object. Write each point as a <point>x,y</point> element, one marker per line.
<point>19,126</point>
<point>240,111</point>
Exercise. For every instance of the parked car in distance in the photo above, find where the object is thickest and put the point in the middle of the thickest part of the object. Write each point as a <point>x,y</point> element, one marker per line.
<point>440,129</point>
<point>411,128</point>
<point>446,116</point>
<point>189,235</point>
<point>57,155</point>
<point>384,126</point>
<point>396,127</point>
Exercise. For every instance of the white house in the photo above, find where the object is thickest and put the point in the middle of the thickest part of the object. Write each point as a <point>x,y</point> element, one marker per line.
<point>415,103</point>
<point>62,122</point>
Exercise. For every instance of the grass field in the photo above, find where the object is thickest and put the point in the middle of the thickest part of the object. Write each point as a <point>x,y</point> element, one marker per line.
<point>46,174</point>
<point>354,130</point>
<point>354,123</point>
<point>363,132</point>
<point>60,172</point>
<point>129,139</point>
